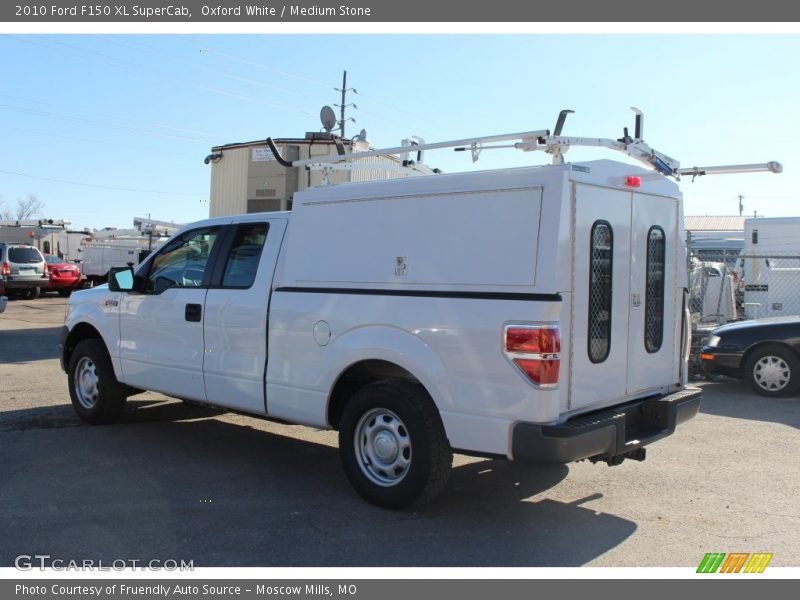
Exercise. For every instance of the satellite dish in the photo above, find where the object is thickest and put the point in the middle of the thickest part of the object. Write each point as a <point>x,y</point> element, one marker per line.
<point>328,118</point>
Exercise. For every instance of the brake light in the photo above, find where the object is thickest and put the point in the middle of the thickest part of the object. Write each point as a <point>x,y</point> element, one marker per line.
<point>536,351</point>
<point>633,181</point>
<point>6,270</point>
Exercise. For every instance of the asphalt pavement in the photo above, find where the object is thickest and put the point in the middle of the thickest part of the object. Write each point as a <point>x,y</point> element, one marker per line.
<point>187,483</point>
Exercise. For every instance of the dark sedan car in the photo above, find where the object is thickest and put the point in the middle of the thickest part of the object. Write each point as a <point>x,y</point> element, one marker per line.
<point>764,353</point>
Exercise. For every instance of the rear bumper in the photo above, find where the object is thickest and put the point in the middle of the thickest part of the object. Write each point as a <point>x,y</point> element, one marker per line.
<point>25,284</point>
<point>607,434</point>
<point>65,284</point>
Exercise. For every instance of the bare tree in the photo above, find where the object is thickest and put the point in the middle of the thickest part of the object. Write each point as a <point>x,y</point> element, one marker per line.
<point>29,207</point>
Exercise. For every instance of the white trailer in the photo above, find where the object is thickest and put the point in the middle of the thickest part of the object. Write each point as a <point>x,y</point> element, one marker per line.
<point>770,267</point>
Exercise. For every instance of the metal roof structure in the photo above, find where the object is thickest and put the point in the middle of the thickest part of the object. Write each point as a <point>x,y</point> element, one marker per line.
<point>714,222</point>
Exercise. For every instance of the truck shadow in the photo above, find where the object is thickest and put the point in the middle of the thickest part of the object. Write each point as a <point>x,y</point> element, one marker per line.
<point>28,345</point>
<point>734,399</point>
<point>249,493</point>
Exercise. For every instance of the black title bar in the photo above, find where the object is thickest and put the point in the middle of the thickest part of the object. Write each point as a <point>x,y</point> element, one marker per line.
<point>440,11</point>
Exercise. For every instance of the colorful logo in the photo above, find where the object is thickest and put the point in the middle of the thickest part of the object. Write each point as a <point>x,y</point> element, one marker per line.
<point>735,562</point>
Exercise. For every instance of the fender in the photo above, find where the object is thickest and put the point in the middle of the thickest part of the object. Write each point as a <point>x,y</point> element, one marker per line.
<point>300,397</point>
<point>394,345</point>
<point>90,307</point>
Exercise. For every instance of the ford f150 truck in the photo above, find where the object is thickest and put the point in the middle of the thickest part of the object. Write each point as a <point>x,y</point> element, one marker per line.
<point>535,314</point>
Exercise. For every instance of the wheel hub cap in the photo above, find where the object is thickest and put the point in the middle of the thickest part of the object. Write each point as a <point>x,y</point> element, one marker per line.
<point>772,373</point>
<point>383,447</point>
<point>86,383</point>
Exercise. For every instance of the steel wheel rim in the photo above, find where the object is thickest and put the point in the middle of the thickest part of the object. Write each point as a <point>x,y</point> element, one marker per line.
<point>771,373</point>
<point>383,447</point>
<point>86,383</point>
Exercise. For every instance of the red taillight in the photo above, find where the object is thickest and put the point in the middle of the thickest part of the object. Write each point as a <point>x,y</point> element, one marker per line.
<point>6,270</point>
<point>535,350</point>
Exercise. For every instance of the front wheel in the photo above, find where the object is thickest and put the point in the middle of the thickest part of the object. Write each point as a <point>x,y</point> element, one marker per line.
<point>96,394</point>
<point>773,371</point>
<point>393,445</point>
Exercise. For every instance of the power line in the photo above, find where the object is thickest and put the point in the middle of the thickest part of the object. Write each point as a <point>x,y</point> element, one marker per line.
<point>223,73</point>
<point>95,121</point>
<point>49,134</point>
<point>92,185</point>
<point>137,68</point>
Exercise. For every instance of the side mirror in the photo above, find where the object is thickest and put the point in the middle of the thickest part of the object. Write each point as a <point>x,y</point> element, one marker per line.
<point>120,279</point>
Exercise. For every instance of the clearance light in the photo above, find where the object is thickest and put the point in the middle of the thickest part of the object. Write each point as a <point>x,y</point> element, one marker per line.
<point>705,356</point>
<point>633,181</point>
<point>535,351</point>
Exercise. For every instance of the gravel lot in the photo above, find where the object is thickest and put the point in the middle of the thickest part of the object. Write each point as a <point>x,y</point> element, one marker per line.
<point>227,490</point>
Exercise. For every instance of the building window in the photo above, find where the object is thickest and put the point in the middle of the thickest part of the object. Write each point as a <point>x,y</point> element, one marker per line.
<point>601,253</point>
<point>654,293</point>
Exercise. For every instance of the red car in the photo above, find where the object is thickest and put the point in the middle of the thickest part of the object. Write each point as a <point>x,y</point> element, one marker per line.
<point>64,276</point>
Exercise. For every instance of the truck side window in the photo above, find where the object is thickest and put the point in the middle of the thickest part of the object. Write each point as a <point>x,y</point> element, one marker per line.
<point>242,264</point>
<point>600,276</point>
<point>182,262</point>
<point>654,293</point>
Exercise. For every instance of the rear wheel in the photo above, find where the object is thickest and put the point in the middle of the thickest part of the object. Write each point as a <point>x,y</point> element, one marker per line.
<point>393,445</point>
<point>773,371</point>
<point>34,293</point>
<point>96,394</point>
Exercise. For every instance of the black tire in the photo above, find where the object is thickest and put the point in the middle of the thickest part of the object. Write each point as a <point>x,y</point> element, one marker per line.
<point>400,420</point>
<point>773,371</point>
<point>34,293</point>
<point>99,398</point>
<point>64,293</point>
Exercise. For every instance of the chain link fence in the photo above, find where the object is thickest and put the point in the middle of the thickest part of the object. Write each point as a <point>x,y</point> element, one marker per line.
<point>725,286</point>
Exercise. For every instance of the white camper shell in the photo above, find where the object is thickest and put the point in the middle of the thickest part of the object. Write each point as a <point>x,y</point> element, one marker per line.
<point>535,314</point>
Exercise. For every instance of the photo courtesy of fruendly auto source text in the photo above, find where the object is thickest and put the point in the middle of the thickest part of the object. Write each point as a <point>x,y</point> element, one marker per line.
<point>365,300</point>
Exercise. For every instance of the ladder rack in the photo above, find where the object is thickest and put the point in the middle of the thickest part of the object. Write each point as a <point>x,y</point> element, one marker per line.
<point>555,145</point>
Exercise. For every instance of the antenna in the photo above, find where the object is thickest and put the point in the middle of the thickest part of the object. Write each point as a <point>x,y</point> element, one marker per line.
<point>328,118</point>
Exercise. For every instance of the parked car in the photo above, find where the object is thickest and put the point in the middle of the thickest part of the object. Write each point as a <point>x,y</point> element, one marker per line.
<point>24,269</point>
<point>64,276</point>
<point>764,353</point>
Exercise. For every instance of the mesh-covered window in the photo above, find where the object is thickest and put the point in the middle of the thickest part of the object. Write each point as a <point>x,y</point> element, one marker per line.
<point>601,251</point>
<point>654,293</point>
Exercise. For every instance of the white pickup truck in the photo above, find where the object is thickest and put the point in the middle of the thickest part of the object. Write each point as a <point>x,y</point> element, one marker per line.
<point>534,314</point>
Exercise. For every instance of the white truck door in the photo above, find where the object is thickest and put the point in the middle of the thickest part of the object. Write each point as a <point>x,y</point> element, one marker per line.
<point>651,347</point>
<point>236,314</point>
<point>601,282</point>
<point>161,328</point>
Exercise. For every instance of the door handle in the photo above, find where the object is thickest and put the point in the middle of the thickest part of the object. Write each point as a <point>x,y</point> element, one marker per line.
<point>194,312</point>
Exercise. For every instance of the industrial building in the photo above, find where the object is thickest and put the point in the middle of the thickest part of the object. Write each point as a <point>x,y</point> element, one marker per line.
<point>246,178</point>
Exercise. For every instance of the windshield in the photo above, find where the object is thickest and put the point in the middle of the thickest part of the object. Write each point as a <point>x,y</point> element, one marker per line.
<point>24,254</point>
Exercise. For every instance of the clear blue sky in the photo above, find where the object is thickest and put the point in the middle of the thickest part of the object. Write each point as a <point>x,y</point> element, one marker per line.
<point>141,112</point>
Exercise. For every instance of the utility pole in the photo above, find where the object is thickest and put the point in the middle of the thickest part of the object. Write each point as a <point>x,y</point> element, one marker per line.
<point>741,205</point>
<point>344,105</point>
